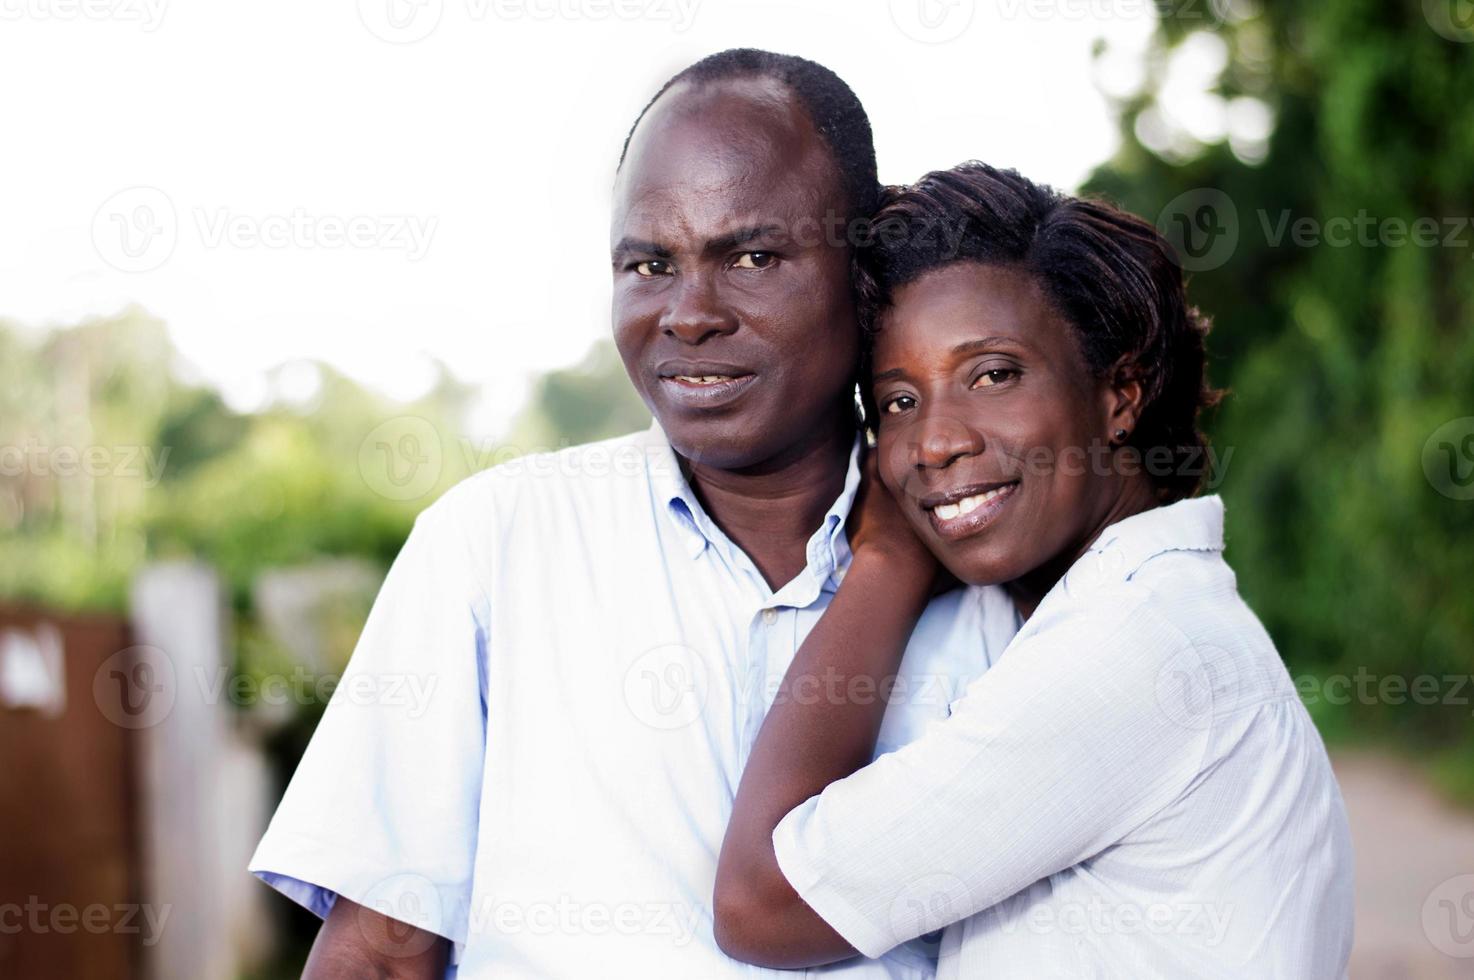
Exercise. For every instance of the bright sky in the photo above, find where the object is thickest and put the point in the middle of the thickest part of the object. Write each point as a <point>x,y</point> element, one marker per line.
<point>377,183</point>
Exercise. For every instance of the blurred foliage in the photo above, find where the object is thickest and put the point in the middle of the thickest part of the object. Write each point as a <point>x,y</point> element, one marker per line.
<point>1342,360</point>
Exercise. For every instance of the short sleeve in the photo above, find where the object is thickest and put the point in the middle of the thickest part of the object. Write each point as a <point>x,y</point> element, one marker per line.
<point>383,807</point>
<point>1078,734</point>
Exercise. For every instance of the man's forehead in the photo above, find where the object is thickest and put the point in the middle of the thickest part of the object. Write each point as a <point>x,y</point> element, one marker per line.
<point>722,155</point>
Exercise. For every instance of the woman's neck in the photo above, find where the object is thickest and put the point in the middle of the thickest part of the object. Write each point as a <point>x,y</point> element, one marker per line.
<point>1135,495</point>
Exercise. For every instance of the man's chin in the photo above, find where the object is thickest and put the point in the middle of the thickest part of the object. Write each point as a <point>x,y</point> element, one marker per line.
<point>726,444</point>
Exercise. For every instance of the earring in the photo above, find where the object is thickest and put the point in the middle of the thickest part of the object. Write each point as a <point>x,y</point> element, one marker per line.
<point>1120,435</point>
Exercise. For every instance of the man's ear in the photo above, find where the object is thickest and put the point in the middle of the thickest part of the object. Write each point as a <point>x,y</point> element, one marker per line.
<point>1124,393</point>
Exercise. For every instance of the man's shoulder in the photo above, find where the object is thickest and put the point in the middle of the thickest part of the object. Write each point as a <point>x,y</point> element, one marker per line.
<point>604,471</point>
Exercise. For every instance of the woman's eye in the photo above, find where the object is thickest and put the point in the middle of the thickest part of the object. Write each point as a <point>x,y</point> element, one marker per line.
<point>993,377</point>
<point>755,260</point>
<point>652,267</point>
<point>898,404</point>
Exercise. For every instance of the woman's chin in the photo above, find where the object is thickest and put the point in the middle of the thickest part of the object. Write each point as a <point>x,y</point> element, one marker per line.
<point>978,569</point>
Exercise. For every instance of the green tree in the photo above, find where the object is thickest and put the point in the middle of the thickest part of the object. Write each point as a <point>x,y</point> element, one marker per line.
<point>1342,358</point>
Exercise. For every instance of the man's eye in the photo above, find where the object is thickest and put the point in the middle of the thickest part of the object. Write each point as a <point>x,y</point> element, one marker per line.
<point>993,377</point>
<point>898,404</point>
<point>652,267</point>
<point>755,260</point>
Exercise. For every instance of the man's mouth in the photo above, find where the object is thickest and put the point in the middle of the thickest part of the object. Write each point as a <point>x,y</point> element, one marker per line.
<point>701,385</point>
<point>966,510</point>
<point>705,379</point>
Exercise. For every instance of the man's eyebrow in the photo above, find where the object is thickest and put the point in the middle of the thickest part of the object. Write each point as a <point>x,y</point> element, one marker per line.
<point>741,236</point>
<point>628,244</point>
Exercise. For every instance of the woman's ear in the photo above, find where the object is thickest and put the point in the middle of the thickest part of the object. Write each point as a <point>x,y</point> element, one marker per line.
<point>1123,400</point>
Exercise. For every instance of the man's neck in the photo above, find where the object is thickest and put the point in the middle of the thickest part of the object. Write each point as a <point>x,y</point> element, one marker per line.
<point>770,511</point>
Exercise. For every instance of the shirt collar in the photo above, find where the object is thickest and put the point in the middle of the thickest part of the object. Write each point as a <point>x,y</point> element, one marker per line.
<point>1122,548</point>
<point>828,548</point>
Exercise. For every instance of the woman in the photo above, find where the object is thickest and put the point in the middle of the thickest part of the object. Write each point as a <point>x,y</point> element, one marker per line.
<point>1133,788</point>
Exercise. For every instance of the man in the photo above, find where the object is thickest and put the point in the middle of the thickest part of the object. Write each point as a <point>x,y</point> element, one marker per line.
<point>605,627</point>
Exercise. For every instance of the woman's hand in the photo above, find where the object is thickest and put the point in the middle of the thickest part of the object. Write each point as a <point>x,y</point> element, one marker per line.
<point>879,532</point>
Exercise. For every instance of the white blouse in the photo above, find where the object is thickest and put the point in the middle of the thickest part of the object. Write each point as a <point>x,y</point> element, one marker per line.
<point>1133,790</point>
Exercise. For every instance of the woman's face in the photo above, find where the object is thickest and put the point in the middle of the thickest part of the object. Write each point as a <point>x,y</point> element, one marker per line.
<point>993,432</point>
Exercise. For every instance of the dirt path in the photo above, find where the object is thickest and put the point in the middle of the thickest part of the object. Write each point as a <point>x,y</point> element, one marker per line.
<point>1414,911</point>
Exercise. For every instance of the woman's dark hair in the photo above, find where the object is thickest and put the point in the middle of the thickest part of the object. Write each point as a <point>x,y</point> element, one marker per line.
<point>1111,275</point>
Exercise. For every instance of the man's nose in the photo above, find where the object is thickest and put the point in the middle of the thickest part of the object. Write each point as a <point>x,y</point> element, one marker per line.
<point>697,313</point>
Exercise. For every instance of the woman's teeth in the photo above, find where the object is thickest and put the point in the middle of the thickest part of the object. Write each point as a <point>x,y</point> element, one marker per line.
<point>968,504</point>
<point>705,379</point>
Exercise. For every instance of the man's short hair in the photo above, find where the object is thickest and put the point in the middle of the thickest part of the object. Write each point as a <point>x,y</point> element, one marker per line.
<point>832,106</point>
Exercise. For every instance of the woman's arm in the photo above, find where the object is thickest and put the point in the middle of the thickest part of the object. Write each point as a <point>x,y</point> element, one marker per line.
<point>816,734</point>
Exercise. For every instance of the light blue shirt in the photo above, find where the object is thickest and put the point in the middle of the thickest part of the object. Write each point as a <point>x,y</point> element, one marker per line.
<point>535,747</point>
<point>1132,790</point>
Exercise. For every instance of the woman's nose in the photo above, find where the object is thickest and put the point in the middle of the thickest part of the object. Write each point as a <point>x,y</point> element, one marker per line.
<point>942,438</point>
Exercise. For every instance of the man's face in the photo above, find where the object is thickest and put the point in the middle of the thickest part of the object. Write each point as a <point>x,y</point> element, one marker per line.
<point>732,304</point>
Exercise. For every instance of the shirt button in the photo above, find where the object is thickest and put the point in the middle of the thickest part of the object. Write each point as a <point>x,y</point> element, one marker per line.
<point>770,616</point>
